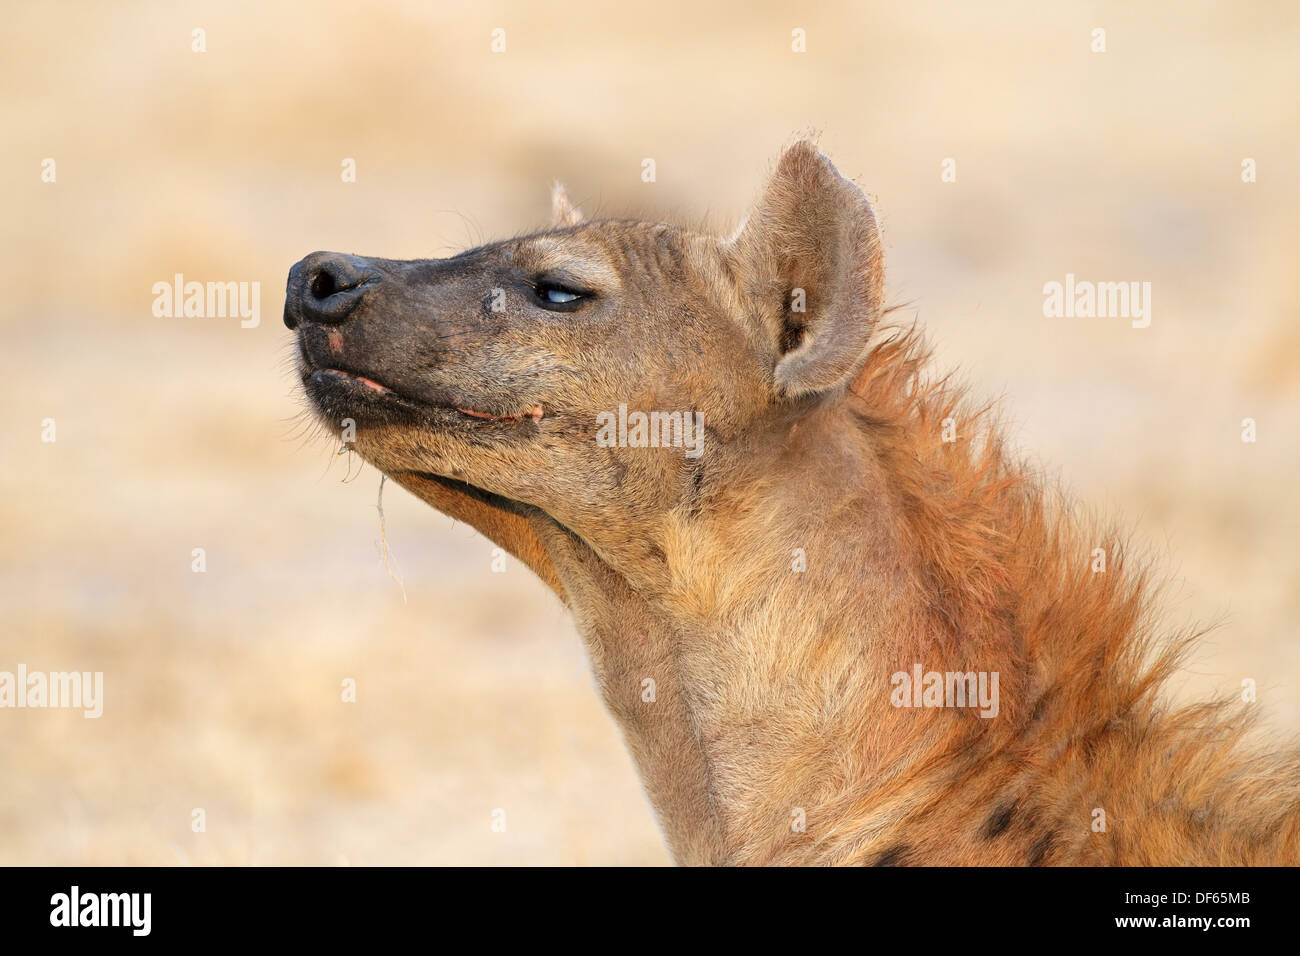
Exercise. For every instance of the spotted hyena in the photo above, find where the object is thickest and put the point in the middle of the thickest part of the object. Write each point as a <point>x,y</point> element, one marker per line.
<point>866,643</point>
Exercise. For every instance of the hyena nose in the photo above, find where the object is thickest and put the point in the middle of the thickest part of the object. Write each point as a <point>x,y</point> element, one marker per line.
<point>326,287</point>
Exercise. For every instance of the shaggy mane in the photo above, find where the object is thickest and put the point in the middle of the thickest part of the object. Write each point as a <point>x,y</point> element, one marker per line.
<point>1003,564</point>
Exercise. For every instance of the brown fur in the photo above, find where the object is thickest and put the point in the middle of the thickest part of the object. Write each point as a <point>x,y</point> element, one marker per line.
<point>773,686</point>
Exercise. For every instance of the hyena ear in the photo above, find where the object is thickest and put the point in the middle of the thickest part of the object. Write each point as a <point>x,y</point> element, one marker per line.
<point>810,261</point>
<point>563,212</point>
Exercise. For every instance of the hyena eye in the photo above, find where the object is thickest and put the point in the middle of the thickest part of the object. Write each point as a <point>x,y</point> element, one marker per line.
<point>558,298</point>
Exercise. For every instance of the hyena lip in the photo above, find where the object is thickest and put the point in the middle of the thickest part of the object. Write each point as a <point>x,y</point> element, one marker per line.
<point>334,383</point>
<point>535,413</point>
<point>361,380</point>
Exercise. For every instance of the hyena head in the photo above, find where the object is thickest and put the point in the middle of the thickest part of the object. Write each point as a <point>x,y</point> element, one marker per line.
<point>519,367</point>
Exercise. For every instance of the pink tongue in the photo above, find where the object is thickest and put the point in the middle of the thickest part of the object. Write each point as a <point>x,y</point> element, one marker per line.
<point>535,413</point>
<point>371,383</point>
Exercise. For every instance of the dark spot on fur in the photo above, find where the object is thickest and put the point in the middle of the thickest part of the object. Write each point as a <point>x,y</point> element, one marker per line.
<point>1089,746</point>
<point>693,502</point>
<point>999,821</point>
<point>895,856</point>
<point>1040,706</point>
<point>1046,844</point>
<point>619,470</point>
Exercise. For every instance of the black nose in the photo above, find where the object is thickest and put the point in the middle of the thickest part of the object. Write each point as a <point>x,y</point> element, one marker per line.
<point>326,287</point>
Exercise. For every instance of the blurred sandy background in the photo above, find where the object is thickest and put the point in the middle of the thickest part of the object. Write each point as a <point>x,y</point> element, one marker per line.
<point>223,688</point>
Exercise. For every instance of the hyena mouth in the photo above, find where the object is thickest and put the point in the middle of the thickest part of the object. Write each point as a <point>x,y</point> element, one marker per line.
<point>328,385</point>
<point>535,413</point>
<point>361,380</point>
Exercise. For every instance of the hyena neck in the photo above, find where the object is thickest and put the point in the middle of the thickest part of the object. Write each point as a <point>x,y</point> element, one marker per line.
<point>628,643</point>
<point>633,650</point>
<point>858,550</point>
<point>870,546</point>
<point>740,666</point>
<point>791,610</point>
